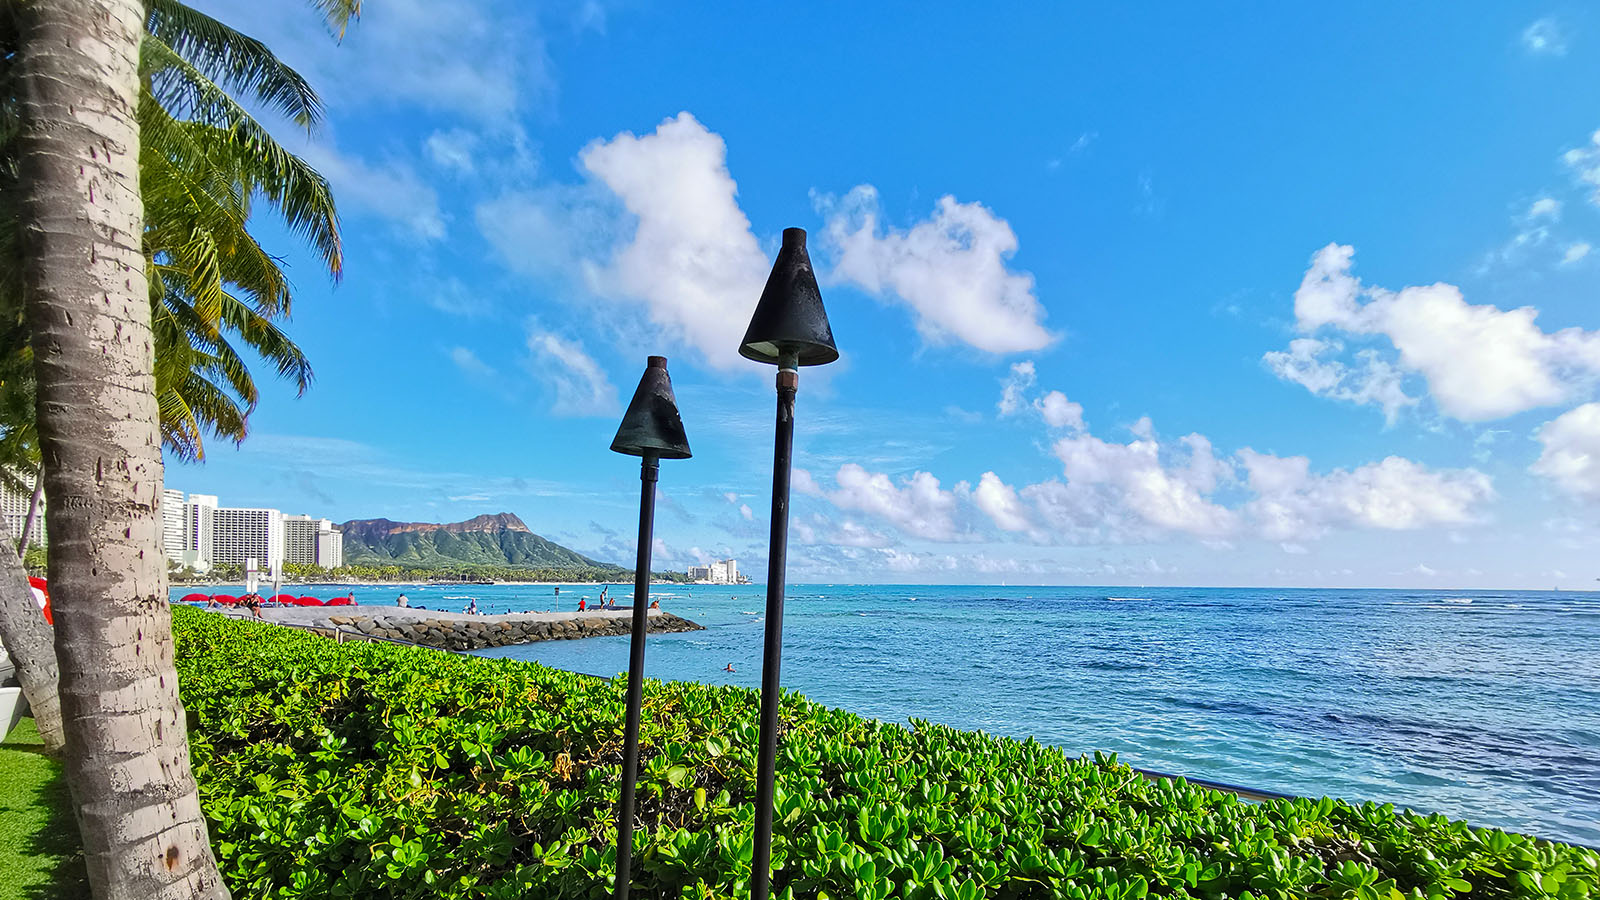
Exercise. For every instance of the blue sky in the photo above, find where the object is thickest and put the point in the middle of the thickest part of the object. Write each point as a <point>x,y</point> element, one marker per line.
<point>1260,296</point>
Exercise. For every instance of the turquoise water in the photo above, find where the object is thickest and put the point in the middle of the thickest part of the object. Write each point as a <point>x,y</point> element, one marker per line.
<point>1479,705</point>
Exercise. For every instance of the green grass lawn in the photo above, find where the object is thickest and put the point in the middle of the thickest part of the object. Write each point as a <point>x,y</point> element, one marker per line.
<point>40,858</point>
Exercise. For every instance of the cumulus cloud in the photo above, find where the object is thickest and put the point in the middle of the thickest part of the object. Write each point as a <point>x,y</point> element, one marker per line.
<point>1575,252</point>
<point>1057,411</point>
<point>1133,479</point>
<point>658,227</point>
<point>1545,37</point>
<point>917,506</point>
<point>1479,362</point>
<point>1371,380</point>
<point>577,384</point>
<point>950,269</point>
<point>1396,494</point>
<point>1571,455</point>
<point>1000,503</point>
<point>1149,488</point>
<point>1014,386</point>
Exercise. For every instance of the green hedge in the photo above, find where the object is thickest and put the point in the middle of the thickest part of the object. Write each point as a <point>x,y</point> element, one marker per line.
<point>372,770</point>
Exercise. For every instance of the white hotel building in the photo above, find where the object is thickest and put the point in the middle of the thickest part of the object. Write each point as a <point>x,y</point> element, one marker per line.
<point>723,572</point>
<point>200,533</point>
<point>14,506</point>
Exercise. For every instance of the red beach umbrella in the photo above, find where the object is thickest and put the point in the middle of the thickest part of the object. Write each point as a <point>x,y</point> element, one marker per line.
<point>194,598</point>
<point>283,599</point>
<point>225,599</point>
<point>342,601</point>
<point>41,596</point>
<point>308,601</point>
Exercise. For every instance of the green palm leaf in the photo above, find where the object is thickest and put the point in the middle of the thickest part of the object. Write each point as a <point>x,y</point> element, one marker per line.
<point>216,294</point>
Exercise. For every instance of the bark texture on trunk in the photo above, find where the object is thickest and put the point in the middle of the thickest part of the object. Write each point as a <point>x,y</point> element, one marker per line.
<point>84,291</point>
<point>30,641</point>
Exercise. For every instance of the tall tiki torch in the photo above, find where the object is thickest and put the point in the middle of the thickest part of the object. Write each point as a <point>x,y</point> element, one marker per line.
<point>651,430</point>
<point>789,329</point>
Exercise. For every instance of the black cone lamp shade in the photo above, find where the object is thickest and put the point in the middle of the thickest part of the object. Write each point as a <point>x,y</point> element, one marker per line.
<point>651,426</point>
<point>789,317</point>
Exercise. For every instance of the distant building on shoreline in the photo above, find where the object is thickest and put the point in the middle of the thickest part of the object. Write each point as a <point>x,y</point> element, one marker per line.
<point>723,572</point>
<point>14,505</point>
<point>200,533</point>
<point>312,542</point>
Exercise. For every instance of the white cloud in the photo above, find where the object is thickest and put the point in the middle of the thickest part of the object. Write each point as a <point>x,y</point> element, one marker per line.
<point>1000,503</point>
<point>578,385</point>
<point>1054,407</point>
<point>1571,455</point>
<point>1480,362</point>
<point>950,269</point>
<point>1372,380</point>
<point>1023,375</point>
<point>657,227</point>
<point>800,481</point>
<point>1059,412</point>
<point>1533,232</point>
<point>1132,478</point>
<point>1147,489</point>
<point>390,190</point>
<point>453,149</point>
<point>916,506</point>
<point>1575,252</point>
<point>1585,165</point>
<point>1545,36</point>
<point>468,362</point>
<point>692,259</point>
<point>454,298</point>
<point>482,62</point>
<point>1292,503</point>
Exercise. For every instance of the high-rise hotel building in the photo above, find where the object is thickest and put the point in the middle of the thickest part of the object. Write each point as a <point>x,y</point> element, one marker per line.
<point>14,506</point>
<point>312,542</point>
<point>201,533</point>
<point>172,524</point>
<point>240,534</point>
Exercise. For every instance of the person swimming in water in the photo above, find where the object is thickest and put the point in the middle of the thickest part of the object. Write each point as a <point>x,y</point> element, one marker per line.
<point>729,668</point>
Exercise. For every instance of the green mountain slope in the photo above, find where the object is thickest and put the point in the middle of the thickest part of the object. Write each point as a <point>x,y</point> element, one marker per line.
<point>497,540</point>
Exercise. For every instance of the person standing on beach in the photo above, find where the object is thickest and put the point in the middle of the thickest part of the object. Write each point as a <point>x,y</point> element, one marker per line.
<point>582,603</point>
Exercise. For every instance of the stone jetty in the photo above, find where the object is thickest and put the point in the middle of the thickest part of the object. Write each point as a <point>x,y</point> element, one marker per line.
<point>457,631</point>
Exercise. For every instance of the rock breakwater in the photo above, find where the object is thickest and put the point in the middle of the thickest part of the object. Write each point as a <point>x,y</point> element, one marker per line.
<point>446,631</point>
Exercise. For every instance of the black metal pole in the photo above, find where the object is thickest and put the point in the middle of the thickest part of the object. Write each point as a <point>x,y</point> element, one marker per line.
<point>649,469</point>
<point>772,653</point>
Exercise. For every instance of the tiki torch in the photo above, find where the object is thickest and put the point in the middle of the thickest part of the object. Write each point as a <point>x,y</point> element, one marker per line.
<point>789,329</point>
<point>651,430</point>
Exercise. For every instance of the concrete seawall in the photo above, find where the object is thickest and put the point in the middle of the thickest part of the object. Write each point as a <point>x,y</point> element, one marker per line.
<point>457,631</point>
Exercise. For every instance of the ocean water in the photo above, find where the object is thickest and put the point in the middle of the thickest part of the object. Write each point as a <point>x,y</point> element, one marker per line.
<point>1479,705</point>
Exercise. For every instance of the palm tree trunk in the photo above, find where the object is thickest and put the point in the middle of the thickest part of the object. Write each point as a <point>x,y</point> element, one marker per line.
<point>88,309</point>
<point>33,513</point>
<point>30,641</point>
